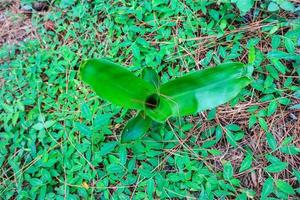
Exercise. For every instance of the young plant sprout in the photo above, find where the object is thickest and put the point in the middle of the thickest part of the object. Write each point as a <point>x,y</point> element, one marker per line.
<point>186,95</point>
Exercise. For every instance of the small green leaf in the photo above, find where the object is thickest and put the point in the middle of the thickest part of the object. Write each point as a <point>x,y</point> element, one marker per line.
<point>250,193</point>
<point>239,135</point>
<point>38,126</point>
<point>287,140</point>
<point>86,113</point>
<point>136,51</point>
<point>271,141</point>
<point>123,155</point>
<point>290,150</point>
<point>276,167</point>
<point>231,138</point>
<point>107,147</point>
<point>284,101</point>
<point>286,5</point>
<point>242,196</point>
<point>282,55</point>
<point>297,174</point>
<point>145,172</point>
<point>150,187</point>
<point>228,171</point>
<point>246,163</point>
<point>84,129</point>
<point>295,107</point>
<point>215,152</point>
<point>35,182</point>
<point>233,127</point>
<point>273,72</point>
<point>268,82</point>
<point>267,187</point>
<point>244,5</point>
<point>272,159</point>
<point>278,65</point>
<point>272,108</point>
<point>115,168</point>
<point>263,124</point>
<point>289,45</point>
<point>274,29</point>
<point>101,120</point>
<point>66,3</point>
<point>203,194</point>
<point>49,123</point>
<point>136,127</point>
<point>252,121</point>
<point>273,7</point>
<point>275,43</point>
<point>251,55</point>
<point>284,187</point>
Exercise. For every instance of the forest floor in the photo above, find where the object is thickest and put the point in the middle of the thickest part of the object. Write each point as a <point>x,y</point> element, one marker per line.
<point>59,140</point>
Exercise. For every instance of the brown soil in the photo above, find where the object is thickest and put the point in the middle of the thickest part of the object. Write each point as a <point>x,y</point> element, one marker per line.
<point>15,24</point>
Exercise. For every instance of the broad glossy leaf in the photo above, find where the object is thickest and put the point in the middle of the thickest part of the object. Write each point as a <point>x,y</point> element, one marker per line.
<point>114,83</point>
<point>136,127</point>
<point>199,91</point>
<point>150,75</point>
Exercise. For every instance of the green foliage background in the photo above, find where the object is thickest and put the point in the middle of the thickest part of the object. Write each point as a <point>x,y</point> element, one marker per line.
<point>59,140</point>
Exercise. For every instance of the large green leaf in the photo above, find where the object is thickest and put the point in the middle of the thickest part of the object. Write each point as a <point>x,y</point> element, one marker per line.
<point>139,125</point>
<point>114,83</point>
<point>199,91</point>
<point>149,75</point>
<point>136,127</point>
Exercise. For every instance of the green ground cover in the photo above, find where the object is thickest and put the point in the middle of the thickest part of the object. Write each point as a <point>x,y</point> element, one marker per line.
<point>58,140</point>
